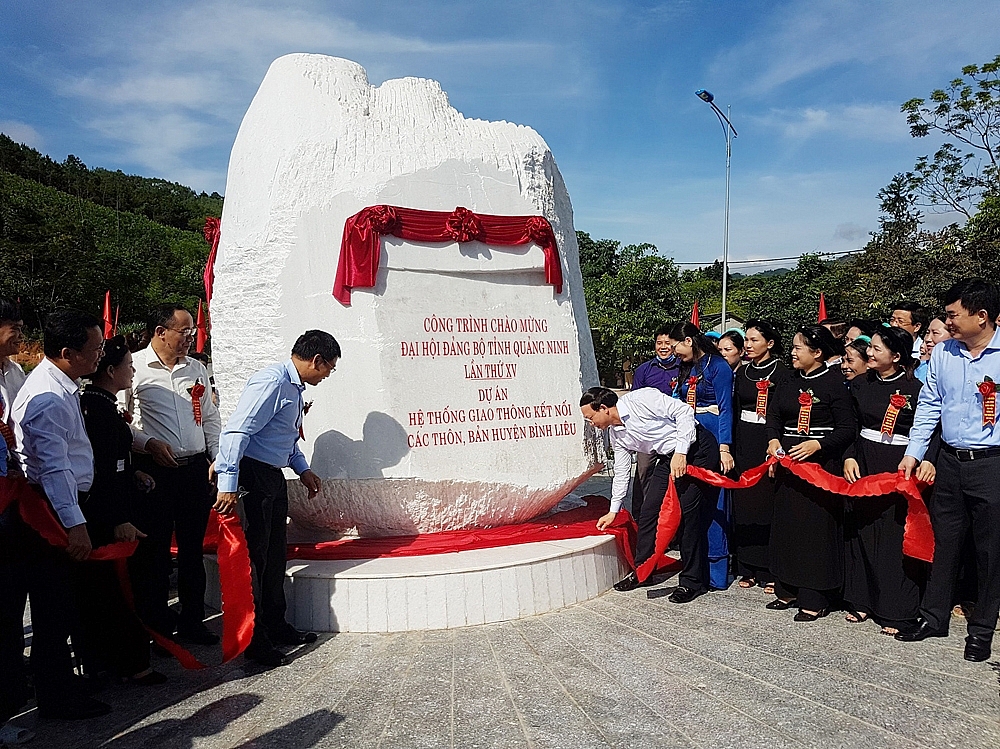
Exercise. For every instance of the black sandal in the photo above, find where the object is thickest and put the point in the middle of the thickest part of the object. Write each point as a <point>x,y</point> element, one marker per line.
<point>747,582</point>
<point>859,616</point>
<point>802,616</point>
<point>778,605</point>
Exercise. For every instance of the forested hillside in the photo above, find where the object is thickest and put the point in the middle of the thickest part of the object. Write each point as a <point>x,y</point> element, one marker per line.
<point>60,249</point>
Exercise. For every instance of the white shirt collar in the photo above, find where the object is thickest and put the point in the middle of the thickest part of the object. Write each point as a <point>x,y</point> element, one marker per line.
<point>71,386</point>
<point>153,360</point>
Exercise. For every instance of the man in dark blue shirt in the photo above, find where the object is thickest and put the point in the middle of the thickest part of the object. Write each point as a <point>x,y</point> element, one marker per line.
<point>660,372</point>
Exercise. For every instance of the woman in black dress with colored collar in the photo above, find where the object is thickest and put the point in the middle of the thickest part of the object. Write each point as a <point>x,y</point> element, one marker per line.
<point>111,637</point>
<point>756,381</point>
<point>810,418</point>
<point>879,582</point>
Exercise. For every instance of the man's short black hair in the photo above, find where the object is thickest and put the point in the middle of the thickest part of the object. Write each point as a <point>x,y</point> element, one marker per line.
<point>663,330</point>
<point>161,315</point>
<point>67,328</point>
<point>316,342</point>
<point>975,294</point>
<point>918,315</point>
<point>599,396</point>
<point>9,311</point>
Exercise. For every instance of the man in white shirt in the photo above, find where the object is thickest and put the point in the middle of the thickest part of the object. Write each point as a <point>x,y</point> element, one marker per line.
<point>173,399</point>
<point>11,375</point>
<point>55,455</point>
<point>651,422</point>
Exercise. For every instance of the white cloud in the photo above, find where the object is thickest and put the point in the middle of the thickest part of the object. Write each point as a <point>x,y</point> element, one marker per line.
<point>170,83</point>
<point>22,133</point>
<point>905,36</point>
<point>851,232</point>
<point>876,122</point>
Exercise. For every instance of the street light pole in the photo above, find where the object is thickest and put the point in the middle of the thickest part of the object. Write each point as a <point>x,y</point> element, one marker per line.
<point>730,132</point>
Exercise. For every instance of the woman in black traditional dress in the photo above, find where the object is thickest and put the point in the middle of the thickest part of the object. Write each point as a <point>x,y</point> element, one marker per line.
<point>111,637</point>
<point>879,582</point>
<point>810,418</point>
<point>752,508</point>
<point>855,361</point>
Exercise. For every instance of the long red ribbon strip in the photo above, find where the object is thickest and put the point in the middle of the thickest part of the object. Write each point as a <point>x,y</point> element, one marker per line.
<point>918,535</point>
<point>234,567</point>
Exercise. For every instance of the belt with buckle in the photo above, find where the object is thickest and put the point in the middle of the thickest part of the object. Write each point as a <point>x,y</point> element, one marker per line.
<point>965,455</point>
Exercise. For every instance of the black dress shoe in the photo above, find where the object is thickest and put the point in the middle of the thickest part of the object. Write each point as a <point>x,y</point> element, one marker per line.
<point>629,582</point>
<point>922,631</point>
<point>804,616</point>
<point>778,605</point>
<point>684,595</point>
<point>78,708</point>
<point>198,633</point>
<point>288,635</point>
<point>977,648</point>
<point>268,657</point>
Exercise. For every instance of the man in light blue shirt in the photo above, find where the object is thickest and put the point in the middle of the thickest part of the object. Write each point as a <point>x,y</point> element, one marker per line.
<point>960,396</point>
<point>258,441</point>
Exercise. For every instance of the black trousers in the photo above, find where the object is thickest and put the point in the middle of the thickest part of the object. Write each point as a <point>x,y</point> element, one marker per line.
<point>265,514</point>
<point>110,637</point>
<point>697,502</point>
<point>31,567</point>
<point>178,506</point>
<point>966,494</point>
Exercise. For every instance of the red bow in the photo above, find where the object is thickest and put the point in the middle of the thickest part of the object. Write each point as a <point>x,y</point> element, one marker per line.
<point>197,391</point>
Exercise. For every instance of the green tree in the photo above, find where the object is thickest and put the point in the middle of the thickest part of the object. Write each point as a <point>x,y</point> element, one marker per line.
<point>967,112</point>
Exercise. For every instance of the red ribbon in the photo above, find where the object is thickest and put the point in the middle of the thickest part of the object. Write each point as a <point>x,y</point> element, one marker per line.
<point>805,413</point>
<point>918,535</point>
<point>762,386</point>
<point>234,567</point>
<point>212,231</point>
<point>361,244</point>
<point>197,391</point>
<point>692,393</point>
<point>896,403</point>
<point>988,389</point>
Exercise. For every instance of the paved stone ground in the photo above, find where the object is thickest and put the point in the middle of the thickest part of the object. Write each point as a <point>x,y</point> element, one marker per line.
<point>628,670</point>
<point>624,670</point>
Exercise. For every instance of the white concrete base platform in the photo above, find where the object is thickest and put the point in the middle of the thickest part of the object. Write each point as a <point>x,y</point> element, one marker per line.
<point>443,591</point>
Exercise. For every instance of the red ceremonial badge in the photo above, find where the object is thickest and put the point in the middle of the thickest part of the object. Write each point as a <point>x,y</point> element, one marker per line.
<point>988,389</point>
<point>897,403</point>
<point>197,391</point>
<point>692,393</point>
<point>5,430</point>
<point>762,386</point>
<point>805,412</point>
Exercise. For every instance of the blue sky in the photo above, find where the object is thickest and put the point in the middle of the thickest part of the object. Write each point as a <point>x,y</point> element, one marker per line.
<point>159,89</point>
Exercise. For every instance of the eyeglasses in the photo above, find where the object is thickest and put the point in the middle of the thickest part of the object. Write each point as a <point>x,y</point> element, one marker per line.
<point>186,332</point>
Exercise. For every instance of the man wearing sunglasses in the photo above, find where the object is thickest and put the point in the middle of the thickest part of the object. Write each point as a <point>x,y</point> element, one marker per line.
<point>173,405</point>
<point>260,439</point>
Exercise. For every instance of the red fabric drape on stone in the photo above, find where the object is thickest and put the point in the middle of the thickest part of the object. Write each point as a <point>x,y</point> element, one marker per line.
<point>212,231</point>
<point>361,245</point>
<point>202,338</point>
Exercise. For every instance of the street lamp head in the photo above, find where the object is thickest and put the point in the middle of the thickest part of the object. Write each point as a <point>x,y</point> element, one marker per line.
<point>704,95</point>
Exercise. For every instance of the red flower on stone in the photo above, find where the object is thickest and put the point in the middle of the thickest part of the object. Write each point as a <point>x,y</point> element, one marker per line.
<point>897,401</point>
<point>805,399</point>
<point>382,218</point>
<point>763,385</point>
<point>463,225</point>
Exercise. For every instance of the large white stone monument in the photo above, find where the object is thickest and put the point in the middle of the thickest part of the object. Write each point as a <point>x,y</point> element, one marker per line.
<point>454,405</point>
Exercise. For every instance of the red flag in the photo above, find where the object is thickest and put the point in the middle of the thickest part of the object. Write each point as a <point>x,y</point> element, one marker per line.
<point>694,313</point>
<point>108,324</point>
<point>199,344</point>
<point>822,307</point>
